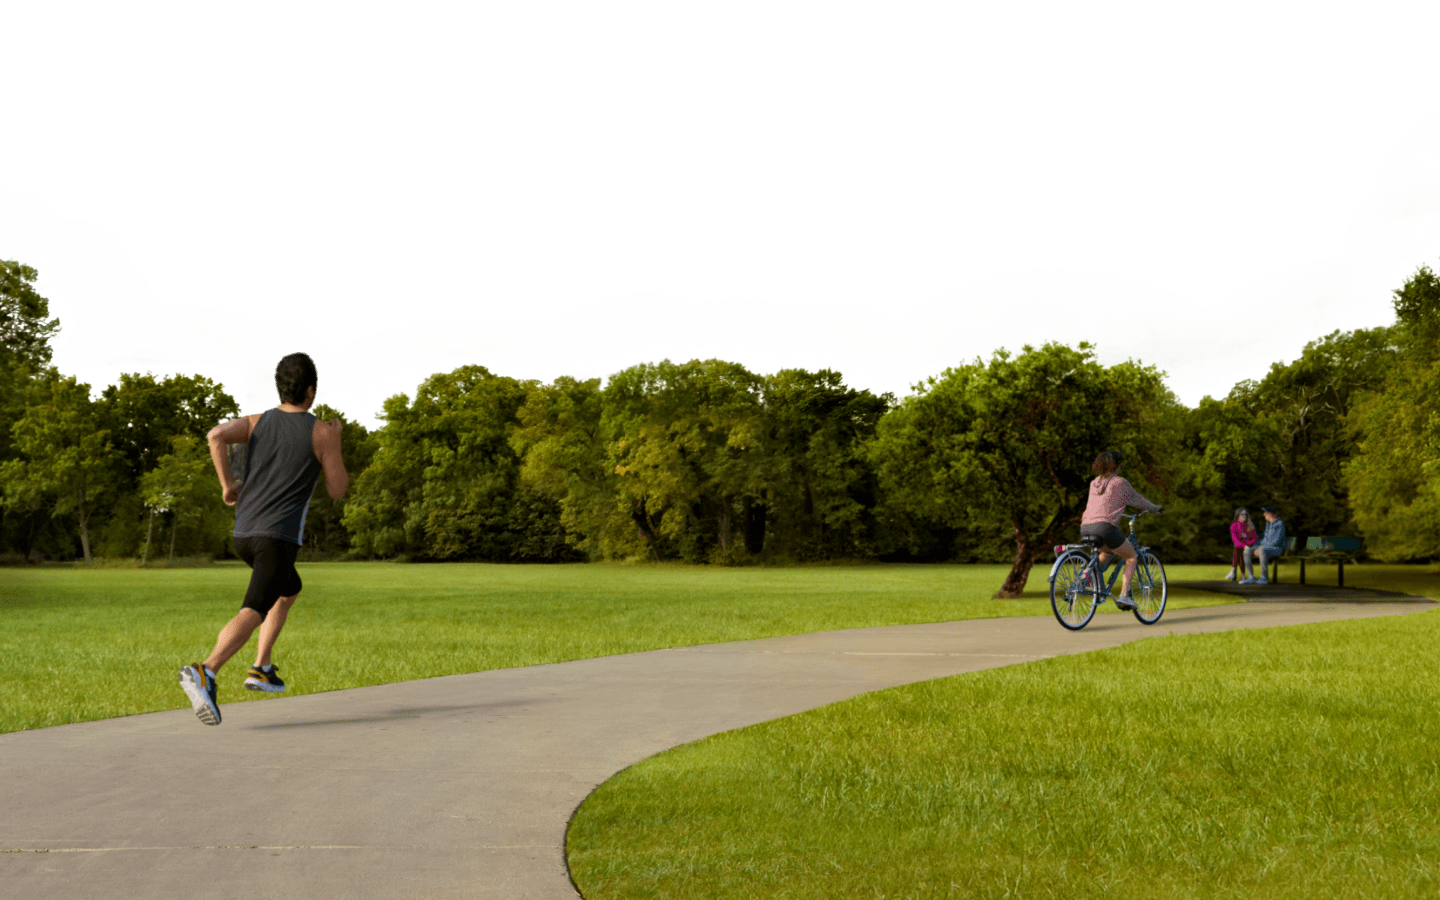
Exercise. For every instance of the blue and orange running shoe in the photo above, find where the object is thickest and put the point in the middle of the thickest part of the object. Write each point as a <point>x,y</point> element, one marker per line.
<point>198,683</point>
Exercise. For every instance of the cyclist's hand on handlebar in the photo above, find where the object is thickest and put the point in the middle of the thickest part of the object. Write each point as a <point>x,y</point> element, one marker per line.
<point>1159,511</point>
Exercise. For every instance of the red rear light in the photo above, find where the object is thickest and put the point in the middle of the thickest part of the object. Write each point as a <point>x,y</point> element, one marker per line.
<point>1059,549</point>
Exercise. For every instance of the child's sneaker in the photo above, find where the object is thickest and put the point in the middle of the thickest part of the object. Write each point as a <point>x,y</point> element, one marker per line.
<point>264,678</point>
<point>198,683</point>
<point>1230,575</point>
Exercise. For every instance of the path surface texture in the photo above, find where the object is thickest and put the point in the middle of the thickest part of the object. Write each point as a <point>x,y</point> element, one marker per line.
<point>458,786</point>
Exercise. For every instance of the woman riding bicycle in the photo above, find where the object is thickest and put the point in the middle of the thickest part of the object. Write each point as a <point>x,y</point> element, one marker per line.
<point>1109,495</point>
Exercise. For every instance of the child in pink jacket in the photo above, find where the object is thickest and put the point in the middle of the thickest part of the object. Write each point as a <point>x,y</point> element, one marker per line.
<point>1242,535</point>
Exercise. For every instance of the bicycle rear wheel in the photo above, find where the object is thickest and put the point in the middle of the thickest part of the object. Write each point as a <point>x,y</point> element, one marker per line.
<point>1072,591</point>
<point>1150,589</point>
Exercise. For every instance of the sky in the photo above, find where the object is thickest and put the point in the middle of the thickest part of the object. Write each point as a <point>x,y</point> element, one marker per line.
<point>557,188</point>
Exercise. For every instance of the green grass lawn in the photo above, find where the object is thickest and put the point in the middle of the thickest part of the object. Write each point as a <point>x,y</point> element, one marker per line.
<point>81,644</point>
<point>1295,762</point>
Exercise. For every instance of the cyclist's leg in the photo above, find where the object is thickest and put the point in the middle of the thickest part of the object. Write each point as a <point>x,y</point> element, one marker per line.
<point>1127,553</point>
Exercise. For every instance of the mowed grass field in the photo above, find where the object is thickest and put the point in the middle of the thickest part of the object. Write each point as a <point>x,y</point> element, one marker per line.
<point>1295,762</point>
<point>81,644</point>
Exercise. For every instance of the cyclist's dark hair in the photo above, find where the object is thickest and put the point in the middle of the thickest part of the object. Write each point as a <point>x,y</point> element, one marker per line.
<point>1107,462</point>
<point>293,375</point>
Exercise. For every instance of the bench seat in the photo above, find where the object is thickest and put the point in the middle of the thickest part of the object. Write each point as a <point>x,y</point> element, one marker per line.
<point>1329,549</point>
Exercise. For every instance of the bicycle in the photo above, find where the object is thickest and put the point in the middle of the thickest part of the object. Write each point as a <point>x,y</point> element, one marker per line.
<point>1078,586</point>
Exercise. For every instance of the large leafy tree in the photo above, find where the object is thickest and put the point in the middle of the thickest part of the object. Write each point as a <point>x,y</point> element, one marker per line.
<point>564,457</point>
<point>666,461</point>
<point>1011,442</point>
<point>444,481</point>
<point>822,491</point>
<point>1393,478</point>
<point>26,328</point>
<point>66,462</point>
<point>686,440</point>
<point>1305,406</point>
<point>182,487</point>
<point>1283,440</point>
<point>1228,457</point>
<point>143,415</point>
<point>325,532</point>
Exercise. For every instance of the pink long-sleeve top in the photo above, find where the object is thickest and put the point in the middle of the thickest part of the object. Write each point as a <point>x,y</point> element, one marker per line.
<point>1108,498</point>
<point>1242,533</point>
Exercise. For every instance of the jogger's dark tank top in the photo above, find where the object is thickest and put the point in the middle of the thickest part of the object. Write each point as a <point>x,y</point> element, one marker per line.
<point>280,474</point>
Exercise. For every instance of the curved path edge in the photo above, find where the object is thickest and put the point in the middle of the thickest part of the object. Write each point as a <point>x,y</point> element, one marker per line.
<point>460,786</point>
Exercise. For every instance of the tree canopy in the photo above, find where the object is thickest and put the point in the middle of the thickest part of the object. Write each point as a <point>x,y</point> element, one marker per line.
<point>705,461</point>
<point>1009,443</point>
<point>1393,478</point>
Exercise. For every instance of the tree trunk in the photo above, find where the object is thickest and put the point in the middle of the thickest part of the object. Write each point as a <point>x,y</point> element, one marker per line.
<point>642,521</point>
<point>174,526</point>
<point>754,526</point>
<point>722,527</point>
<point>1025,552</point>
<point>1028,547</point>
<point>149,530</point>
<point>85,534</point>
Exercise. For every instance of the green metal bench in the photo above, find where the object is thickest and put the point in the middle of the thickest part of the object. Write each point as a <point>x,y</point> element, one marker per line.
<point>1336,550</point>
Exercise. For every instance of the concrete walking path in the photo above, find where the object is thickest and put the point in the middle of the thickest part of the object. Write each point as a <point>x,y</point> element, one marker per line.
<point>459,786</point>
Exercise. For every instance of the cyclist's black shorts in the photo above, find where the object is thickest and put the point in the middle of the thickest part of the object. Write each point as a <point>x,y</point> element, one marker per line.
<point>272,575</point>
<point>1108,534</point>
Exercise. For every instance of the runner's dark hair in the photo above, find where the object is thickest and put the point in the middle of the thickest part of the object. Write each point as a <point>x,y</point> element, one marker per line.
<point>293,375</point>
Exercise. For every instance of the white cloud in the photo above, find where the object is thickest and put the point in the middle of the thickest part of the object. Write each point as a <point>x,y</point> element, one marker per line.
<point>121,324</point>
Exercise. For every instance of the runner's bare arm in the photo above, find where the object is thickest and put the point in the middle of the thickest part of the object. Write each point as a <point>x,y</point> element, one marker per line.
<point>327,450</point>
<point>236,431</point>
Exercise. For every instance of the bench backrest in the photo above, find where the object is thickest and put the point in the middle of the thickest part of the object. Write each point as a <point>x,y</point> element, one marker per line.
<point>1332,543</point>
<point>1323,544</point>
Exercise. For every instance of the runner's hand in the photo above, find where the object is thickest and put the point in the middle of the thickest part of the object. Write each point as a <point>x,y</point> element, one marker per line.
<point>232,493</point>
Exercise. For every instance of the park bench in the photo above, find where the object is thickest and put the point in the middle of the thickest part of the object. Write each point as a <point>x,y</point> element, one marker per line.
<point>1336,550</point>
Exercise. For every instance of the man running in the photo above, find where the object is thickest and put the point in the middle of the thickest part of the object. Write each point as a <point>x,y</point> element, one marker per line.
<point>287,450</point>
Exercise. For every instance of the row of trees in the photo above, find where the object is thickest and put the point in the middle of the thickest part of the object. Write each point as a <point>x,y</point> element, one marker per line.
<point>706,461</point>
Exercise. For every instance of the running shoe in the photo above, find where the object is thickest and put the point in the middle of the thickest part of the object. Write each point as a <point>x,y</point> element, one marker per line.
<point>199,686</point>
<point>1124,601</point>
<point>265,678</point>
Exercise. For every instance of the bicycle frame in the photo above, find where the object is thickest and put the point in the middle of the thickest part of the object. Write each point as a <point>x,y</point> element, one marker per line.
<point>1078,585</point>
<point>1095,567</point>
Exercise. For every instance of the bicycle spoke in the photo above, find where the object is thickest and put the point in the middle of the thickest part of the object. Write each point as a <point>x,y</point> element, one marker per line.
<point>1072,591</point>
<point>1151,589</point>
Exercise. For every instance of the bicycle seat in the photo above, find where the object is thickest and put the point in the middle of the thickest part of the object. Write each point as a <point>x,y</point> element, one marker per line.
<point>1091,540</point>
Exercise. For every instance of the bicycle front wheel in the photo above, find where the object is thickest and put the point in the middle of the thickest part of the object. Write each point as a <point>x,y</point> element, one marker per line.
<point>1150,589</point>
<point>1072,591</point>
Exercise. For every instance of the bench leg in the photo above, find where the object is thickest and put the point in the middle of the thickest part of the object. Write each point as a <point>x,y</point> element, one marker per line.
<point>1342,573</point>
<point>1302,570</point>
